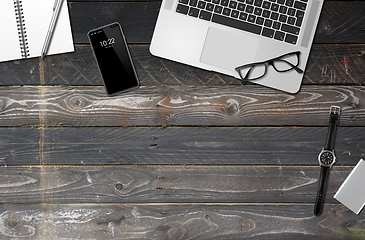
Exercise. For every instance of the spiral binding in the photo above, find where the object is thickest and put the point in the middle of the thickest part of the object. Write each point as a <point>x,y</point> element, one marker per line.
<point>24,48</point>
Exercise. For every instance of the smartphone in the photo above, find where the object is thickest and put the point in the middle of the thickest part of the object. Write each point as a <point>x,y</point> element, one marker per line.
<point>113,58</point>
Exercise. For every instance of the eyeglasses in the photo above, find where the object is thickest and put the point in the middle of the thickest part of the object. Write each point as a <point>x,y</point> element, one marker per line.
<point>284,63</point>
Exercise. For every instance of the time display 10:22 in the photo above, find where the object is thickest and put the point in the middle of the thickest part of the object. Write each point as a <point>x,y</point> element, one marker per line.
<point>107,43</point>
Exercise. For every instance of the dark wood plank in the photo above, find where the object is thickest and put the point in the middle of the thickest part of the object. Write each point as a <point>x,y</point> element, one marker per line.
<point>171,221</point>
<point>323,67</point>
<point>339,22</point>
<point>179,106</point>
<point>138,19</point>
<point>155,184</point>
<point>176,145</point>
<point>79,68</point>
<point>20,72</point>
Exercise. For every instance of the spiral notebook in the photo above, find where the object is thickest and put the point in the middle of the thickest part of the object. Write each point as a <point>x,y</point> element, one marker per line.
<point>24,25</point>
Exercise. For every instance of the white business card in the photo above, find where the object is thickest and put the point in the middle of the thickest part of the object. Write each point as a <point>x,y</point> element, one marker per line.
<point>352,191</point>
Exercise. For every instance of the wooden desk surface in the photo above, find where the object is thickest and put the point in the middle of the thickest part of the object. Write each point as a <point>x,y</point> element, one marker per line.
<point>191,154</point>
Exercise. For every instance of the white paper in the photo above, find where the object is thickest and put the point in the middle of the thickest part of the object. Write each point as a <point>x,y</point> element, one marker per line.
<point>37,15</point>
<point>352,191</point>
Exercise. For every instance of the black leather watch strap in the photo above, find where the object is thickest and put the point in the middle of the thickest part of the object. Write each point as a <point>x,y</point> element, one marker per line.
<point>331,134</point>
<point>327,163</point>
<point>322,187</point>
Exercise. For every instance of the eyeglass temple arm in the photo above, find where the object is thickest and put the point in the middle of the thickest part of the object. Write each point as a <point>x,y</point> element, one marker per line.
<point>295,67</point>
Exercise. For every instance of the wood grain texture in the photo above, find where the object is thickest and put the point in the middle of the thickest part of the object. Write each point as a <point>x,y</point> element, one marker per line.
<point>340,22</point>
<point>179,106</point>
<point>195,221</point>
<point>323,67</point>
<point>79,68</point>
<point>138,19</point>
<point>176,145</point>
<point>191,154</point>
<point>167,184</point>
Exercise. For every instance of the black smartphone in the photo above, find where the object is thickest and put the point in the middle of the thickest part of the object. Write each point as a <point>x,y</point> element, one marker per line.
<point>113,58</point>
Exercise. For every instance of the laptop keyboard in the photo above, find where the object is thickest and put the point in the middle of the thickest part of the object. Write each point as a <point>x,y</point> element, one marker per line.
<point>277,19</point>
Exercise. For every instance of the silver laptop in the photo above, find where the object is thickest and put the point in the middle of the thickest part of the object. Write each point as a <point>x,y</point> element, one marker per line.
<point>221,35</point>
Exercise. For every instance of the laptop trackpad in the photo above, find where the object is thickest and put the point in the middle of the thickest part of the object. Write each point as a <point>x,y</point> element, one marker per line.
<point>228,50</point>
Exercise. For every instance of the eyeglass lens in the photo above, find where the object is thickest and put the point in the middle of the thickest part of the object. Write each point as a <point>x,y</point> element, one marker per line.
<point>282,64</point>
<point>286,63</point>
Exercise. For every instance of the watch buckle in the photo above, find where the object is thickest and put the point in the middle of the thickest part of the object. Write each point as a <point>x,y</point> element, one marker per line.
<point>335,110</point>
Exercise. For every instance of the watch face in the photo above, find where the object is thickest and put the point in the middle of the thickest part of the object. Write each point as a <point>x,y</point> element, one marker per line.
<point>326,158</point>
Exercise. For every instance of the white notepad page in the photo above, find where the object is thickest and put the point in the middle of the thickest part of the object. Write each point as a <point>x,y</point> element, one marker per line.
<point>37,15</point>
<point>9,39</point>
<point>352,191</point>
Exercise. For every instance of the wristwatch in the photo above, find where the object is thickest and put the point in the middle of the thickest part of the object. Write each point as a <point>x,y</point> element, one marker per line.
<point>327,158</point>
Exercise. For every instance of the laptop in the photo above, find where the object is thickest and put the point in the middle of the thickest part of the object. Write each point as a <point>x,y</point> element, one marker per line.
<point>221,35</point>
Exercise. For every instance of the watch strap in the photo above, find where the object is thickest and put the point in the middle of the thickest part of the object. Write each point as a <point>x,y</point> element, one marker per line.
<point>322,187</point>
<point>331,134</point>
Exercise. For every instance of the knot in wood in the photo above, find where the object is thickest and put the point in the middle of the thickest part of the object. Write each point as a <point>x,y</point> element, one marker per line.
<point>77,102</point>
<point>12,223</point>
<point>233,106</point>
<point>119,186</point>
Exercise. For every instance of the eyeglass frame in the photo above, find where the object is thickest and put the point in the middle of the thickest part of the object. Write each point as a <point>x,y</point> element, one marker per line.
<point>270,62</point>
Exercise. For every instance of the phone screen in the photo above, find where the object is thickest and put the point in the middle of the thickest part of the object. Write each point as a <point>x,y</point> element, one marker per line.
<point>113,58</point>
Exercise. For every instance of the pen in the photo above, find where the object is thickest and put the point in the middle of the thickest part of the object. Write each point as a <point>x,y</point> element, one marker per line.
<point>56,11</point>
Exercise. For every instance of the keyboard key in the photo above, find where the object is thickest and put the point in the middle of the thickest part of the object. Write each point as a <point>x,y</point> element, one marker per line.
<point>233,4</point>
<point>257,11</point>
<point>274,7</point>
<point>289,29</point>
<point>266,5</point>
<point>245,26</point>
<point>193,3</point>
<point>279,36</point>
<point>281,1</point>
<point>194,12</point>
<point>276,25</point>
<point>268,23</point>
<point>291,39</point>
<point>226,11</point>
<point>249,9</point>
<point>258,3</point>
<point>201,4</point>
<point>259,20</point>
<point>249,2</point>
<point>209,7</point>
<point>268,32</point>
<point>216,1</point>
<point>243,16</point>
<point>234,14</point>
<point>218,9</point>
<point>241,7</point>
<point>208,0</point>
<point>274,16</point>
<point>205,15</point>
<point>182,9</point>
<point>300,5</point>
<point>282,18</point>
<point>289,3</point>
<point>224,3</point>
<point>184,1</point>
<point>291,20</point>
<point>283,9</point>
<point>266,14</point>
<point>291,11</point>
<point>251,18</point>
<point>300,16</point>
